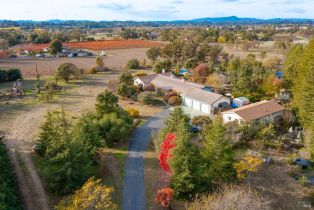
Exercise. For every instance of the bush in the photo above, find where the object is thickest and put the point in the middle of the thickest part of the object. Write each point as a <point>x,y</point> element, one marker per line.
<point>3,76</point>
<point>134,113</point>
<point>148,98</point>
<point>140,73</point>
<point>92,195</point>
<point>133,64</point>
<point>66,70</point>
<point>174,101</point>
<point>191,63</point>
<point>49,91</point>
<point>267,133</point>
<point>159,66</point>
<point>92,71</point>
<point>106,102</point>
<point>14,74</point>
<point>113,85</point>
<point>203,121</point>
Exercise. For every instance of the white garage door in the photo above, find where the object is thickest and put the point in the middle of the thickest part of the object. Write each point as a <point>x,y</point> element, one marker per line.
<point>188,102</point>
<point>205,108</point>
<point>197,105</point>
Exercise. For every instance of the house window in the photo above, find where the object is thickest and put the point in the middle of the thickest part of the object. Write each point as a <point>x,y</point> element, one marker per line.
<point>229,118</point>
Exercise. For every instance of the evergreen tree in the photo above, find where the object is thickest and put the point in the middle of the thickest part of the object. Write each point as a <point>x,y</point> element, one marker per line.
<point>291,64</point>
<point>303,89</point>
<point>184,164</point>
<point>66,161</point>
<point>217,156</point>
<point>171,125</point>
<point>106,102</point>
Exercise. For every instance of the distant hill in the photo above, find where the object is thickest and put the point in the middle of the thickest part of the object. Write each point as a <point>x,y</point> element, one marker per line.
<point>232,20</point>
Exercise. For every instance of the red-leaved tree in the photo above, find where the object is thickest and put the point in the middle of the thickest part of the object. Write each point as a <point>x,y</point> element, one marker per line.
<point>166,146</point>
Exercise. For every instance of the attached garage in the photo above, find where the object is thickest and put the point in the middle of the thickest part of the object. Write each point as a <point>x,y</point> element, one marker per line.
<point>205,108</point>
<point>188,102</point>
<point>196,105</point>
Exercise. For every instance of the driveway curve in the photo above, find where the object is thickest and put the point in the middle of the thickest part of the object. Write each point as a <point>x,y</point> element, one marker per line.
<point>134,197</point>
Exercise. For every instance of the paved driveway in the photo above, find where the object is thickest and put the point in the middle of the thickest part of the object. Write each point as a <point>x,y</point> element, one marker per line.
<point>133,187</point>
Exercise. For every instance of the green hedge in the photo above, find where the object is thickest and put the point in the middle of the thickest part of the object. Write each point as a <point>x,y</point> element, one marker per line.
<point>10,75</point>
<point>9,196</point>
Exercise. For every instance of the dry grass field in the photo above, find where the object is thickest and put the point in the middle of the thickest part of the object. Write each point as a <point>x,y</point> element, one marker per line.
<point>114,59</point>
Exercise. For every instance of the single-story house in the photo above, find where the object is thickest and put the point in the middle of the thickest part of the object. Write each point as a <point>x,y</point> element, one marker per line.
<point>255,113</point>
<point>193,95</point>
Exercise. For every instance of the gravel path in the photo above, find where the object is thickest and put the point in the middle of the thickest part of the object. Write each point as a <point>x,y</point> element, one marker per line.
<point>134,197</point>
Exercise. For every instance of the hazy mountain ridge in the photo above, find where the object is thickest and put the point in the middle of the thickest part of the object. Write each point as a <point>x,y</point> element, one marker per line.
<point>200,21</point>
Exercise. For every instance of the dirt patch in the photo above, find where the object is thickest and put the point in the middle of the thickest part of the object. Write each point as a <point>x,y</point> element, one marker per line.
<point>114,59</point>
<point>274,182</point>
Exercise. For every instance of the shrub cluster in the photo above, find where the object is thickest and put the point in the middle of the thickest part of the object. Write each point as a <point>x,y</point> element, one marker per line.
<point>67,151</point>
<point>134,113</point>
<point>172,98</point>
<point>148,98</point>
<point>9,198</point>
<point>10,75</point>
<point>133,64</point>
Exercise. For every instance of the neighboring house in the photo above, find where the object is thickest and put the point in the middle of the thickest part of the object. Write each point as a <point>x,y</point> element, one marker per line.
<point>144,80</point>
<point>193,95</point>
<point>260,112</point>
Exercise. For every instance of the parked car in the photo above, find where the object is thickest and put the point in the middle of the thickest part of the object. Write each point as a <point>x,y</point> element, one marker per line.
<point>72,55</point>
<point>195,129</point>
<point>12,56</point>
<point>39,55</point>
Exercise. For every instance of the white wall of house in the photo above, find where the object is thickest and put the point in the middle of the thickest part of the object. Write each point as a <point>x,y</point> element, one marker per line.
<point>205,108</point>
<point>230,117</point>
<point>196,105</point>
<point>137,82</point>
<point>187,102</point>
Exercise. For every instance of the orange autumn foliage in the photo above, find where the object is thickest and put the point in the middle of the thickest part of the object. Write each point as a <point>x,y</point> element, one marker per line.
<point>164,197</point>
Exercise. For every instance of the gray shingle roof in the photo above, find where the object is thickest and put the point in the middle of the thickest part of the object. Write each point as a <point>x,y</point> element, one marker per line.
<point>188,89</point>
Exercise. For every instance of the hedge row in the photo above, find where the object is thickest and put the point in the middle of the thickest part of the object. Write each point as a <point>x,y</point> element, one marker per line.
<point>10,75</point>
<point>9,195</point>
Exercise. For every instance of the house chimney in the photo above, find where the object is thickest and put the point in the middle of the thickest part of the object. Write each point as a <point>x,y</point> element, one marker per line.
<point>163,71</point>
<point>171,75</point>
<point>182,80</point>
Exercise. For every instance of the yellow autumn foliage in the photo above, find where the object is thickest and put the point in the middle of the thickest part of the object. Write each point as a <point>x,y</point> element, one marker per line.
<point>92,196</point>
<point>248,165</point>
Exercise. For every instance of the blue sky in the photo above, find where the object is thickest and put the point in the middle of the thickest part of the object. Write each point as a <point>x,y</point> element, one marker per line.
<point>152,9</point>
